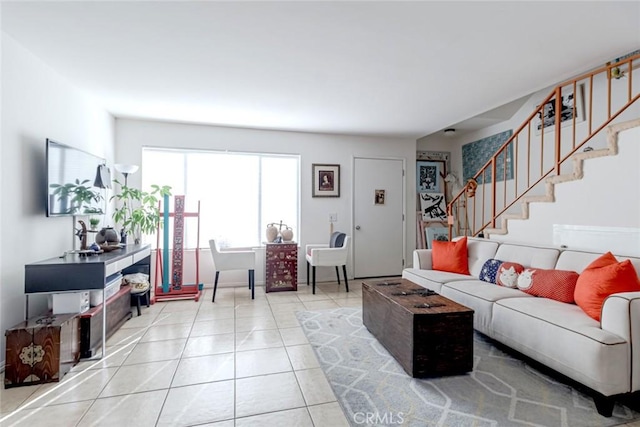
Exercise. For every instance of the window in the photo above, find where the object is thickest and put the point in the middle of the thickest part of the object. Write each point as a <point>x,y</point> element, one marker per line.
<point>239,193</point>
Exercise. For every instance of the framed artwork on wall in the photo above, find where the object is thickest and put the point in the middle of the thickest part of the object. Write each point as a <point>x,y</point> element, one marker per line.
<point>436,233</point>
<point>429,176</point>
<point>443,157</point>
<point>477,153</point>
<point>433,207</point>
<point>571,103</point>
<point>326,180</point>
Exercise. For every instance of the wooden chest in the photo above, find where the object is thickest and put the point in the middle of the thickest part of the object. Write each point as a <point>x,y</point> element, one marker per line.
<point>41,349</point>
<point>281,267</point>
<point>429,335</point>
<point>118,312</point>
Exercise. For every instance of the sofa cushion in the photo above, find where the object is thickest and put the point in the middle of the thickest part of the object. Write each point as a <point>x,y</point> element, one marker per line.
<point>480,250</point>
<point>530,256</point>
<point>431,279</point>
<point>555,284</point>
<point>565,316</point>
<point>482,290</point>
<point>564,338</point>
<point>579,260</point>
<point>489,270</point>
<point>479,296</point>
<point>450,256</point>
<point>603,277</point>
<point>508,274</point>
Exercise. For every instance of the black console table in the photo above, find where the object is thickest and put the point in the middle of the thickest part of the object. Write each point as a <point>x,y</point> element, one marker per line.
<point>73,273</point>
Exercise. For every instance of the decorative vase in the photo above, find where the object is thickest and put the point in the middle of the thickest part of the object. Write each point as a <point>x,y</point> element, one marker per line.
<point>287,234</point>
<point>272,234</point>
<point>107,235</point>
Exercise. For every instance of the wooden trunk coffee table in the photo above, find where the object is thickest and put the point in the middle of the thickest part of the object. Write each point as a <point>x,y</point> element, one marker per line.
<point>428,334</point>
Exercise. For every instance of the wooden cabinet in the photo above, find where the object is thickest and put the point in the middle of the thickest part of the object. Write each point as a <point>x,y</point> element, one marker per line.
<point>118,312</point>
<point>429,335</point>
<point>281,267</point>
<point>41,349</point>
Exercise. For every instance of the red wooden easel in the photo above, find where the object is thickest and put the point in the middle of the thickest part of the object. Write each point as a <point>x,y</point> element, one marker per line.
<point>175,289</point>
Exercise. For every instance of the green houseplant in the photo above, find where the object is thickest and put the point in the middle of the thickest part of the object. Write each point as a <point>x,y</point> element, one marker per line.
<point>137,212</point>
<point>93,222</point>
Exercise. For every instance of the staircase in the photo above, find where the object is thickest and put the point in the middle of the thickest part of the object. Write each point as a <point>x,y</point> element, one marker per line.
<point>593,107</point>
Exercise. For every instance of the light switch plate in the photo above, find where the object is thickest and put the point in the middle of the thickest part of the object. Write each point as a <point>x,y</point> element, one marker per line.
<point>333,217</point>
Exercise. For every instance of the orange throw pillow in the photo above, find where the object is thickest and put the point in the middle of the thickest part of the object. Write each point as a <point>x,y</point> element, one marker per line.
<point>601,278</point>
<point>553,284</point>
<point>450,256</point>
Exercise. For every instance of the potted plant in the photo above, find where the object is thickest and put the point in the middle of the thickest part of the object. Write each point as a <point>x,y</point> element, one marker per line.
<point>93,223</point>
<point>138,211</point>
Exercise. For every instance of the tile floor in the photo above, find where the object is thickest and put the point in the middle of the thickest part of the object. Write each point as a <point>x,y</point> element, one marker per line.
<point>235,362</point>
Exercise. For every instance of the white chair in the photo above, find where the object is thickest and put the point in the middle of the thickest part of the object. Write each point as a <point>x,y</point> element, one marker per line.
<point>233,260</point>
<point>332,255</point>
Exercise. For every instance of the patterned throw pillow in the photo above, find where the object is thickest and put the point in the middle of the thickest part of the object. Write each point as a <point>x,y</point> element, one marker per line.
<point>508,274</point>
<point>489,270</point>
<point>554,284</point>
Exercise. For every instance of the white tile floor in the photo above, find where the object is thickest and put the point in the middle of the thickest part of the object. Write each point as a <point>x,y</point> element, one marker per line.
<point>235,362</point>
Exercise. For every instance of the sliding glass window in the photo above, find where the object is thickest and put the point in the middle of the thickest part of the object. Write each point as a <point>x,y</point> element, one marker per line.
<point>239,193</point>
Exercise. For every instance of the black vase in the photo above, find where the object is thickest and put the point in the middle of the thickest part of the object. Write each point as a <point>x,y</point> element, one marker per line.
<point>123,237</point>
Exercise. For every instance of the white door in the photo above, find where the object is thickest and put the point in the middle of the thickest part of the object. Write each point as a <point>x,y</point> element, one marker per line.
<point>378,217</point>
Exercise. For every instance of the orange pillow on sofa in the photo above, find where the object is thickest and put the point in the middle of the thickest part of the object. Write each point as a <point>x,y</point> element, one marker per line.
<point>450,256</point>
<point>553,284</point>
<point>601,278</point>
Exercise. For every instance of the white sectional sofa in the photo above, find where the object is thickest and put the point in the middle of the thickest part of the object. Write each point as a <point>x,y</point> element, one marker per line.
<point>599,355</point>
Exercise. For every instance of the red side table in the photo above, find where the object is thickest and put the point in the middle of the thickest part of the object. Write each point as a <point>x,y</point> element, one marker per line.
<point>281,267</point>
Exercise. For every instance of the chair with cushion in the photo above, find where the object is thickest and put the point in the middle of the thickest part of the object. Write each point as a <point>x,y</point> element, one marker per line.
<point>332,255</point>
<point>233,260</point>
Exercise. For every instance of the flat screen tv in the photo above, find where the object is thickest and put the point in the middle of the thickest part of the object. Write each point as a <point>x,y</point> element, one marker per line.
<point>72,181</point>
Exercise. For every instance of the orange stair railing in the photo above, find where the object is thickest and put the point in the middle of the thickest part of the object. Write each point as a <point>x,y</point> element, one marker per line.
<point>584,110</point>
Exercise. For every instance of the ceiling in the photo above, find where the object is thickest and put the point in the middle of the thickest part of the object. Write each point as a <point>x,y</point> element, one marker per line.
<point>402,69</point>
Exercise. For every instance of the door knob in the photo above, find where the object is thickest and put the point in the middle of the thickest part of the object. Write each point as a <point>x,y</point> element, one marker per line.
<point>357,227</point>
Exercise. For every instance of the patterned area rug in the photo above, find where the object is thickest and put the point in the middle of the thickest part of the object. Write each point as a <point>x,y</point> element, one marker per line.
<point>373,389</point>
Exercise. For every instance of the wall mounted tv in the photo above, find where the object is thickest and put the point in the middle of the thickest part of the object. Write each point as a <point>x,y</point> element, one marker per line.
<point>72,181</point>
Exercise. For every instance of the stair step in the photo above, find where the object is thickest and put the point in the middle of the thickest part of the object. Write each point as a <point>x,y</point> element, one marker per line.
<point>495,231</point>
<point>559,179</point>
<point>601,152</point>
<point>537,199</point>
<point>513,216</point>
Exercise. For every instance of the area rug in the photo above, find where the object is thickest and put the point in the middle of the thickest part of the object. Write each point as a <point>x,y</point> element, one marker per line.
<point>502,390</point>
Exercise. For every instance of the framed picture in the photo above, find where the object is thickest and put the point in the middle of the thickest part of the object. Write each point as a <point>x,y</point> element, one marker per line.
<point>326,180</point>
<point>433,207</point>
<point>428,176</point>
<point>436,233</point>
<point>379,197</point>
<point>547,116</point>
<point>475,154</point>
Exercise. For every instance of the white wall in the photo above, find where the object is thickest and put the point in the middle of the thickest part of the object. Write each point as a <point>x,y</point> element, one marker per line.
<point>37,103</point>
<point>572,204</point>
<point>132,135</point>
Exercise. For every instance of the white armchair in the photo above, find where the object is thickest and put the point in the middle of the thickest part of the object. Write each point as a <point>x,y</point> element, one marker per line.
<point>233,260</point>
<point>333,254</point>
